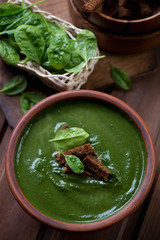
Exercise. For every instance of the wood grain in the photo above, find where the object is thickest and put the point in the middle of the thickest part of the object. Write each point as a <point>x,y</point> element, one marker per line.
<point>150,227</point>
<point>110,233</point>
<point>3,124</point>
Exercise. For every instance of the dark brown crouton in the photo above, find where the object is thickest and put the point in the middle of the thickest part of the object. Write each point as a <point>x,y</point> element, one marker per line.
<point>145,9</point>
<point>90,7</point>
<point>81,152</point>
<point>86,153</point>
<point>124,12</point>
<point>86,173</point>
<point>89,174</point>
<point>110,8</point>
<point>67,169</point>
<point>95,167</point>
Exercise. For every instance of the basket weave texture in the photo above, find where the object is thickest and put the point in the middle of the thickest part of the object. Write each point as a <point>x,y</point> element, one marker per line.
<point>63,82</point>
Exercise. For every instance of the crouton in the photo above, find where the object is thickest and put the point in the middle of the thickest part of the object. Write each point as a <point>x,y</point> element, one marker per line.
<point>90,7</point>
<point>95,167</point>
<point>81,152</point>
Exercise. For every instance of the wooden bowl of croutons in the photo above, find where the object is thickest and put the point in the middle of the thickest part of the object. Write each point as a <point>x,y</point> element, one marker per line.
<point>125,26</point>
<point>128,17</point>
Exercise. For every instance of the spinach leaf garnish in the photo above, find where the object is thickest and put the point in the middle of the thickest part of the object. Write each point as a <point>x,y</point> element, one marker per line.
<point>8,52</point>
<point>70,138</point>
<point>74,163</point>
<point>120,77</point>
<point>31,42</point>
<point>29,99</point>
<point>15,86</point>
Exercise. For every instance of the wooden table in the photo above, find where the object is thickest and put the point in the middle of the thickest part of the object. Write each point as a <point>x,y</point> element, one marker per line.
<point>144,97</point>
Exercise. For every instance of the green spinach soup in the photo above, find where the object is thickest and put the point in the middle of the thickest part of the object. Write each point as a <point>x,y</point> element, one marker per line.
<point>71,197</point>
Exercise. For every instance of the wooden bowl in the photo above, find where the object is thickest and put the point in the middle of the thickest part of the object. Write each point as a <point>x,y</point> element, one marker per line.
<point>119,36</point>
<point>95,96</point>
<point>123,27</point>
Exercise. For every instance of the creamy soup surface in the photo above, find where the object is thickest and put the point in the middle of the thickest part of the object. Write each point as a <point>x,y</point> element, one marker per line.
<point>70,197</point>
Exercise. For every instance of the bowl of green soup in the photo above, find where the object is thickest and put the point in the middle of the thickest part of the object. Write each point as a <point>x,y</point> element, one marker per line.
<point>59,187</point>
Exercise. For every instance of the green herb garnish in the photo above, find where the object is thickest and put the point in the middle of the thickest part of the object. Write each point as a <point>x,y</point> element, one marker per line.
<point>74,163</point>
<point>70,138</point>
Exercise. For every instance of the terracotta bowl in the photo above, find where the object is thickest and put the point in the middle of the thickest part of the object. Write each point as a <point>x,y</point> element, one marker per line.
<point>95,96</point>
<point>124,27</point>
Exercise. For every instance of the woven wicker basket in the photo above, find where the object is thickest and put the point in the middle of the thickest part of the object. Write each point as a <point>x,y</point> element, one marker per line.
<point>63,82</point>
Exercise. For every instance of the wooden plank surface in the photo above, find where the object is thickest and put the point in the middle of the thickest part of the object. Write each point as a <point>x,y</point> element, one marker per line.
<point>150,228</point>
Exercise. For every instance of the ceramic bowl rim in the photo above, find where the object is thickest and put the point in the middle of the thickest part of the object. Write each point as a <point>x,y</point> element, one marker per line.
<point>123,213</point>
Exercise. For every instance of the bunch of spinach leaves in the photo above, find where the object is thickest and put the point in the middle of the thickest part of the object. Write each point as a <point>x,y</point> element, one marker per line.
<point>17,85</point>
<point>29,36</point>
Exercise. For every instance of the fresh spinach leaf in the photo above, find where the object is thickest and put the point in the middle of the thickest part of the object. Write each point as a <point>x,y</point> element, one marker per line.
<point>76,61</point>
<point>8,52</point>
<point>24,19</point>
<point>75,69</point>
<point>13,43</point>
<point>59,52</point>
<point>29,99</point>
<point>31,42</point>
<point>48,66</point>
<point>7,8</point>
<point>70,138</point>
<point>86,45</point>
<point>56,30</point>
<point>45,29</point>
<point>74,163</point>
<point>33,19</point>
<point>6,20</point>
<point>120,78</point>
<point>15,86</point>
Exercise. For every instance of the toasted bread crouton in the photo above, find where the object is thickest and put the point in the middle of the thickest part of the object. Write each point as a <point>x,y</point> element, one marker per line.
<point>90,7</point>
<point>95,167</point>
<point>81,152</point>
